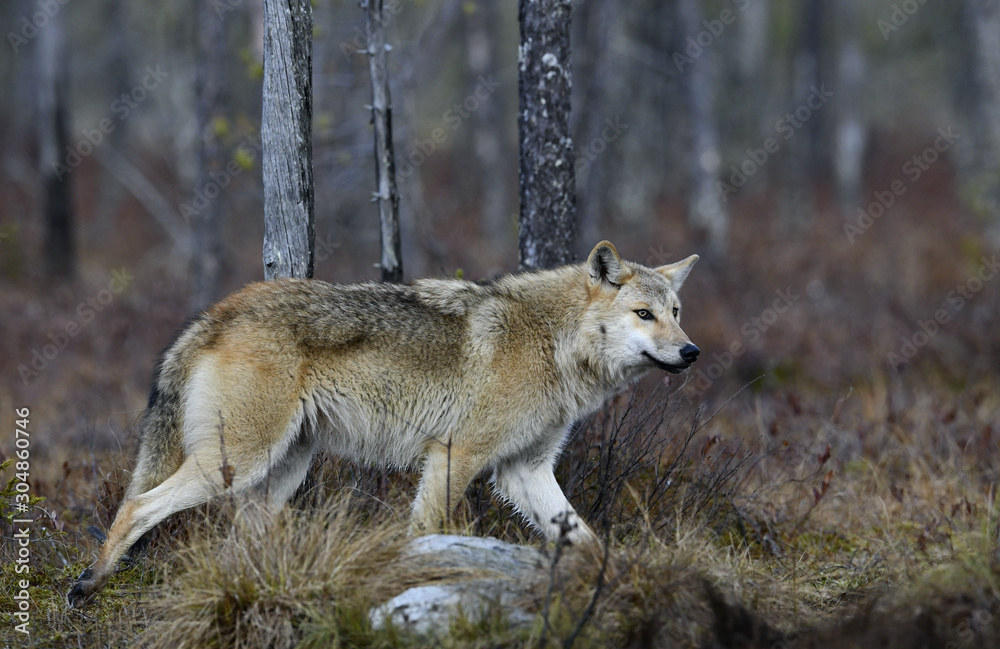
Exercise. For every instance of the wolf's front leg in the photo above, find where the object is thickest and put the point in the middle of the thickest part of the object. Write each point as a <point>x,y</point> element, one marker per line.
<point>533,490</point>
<point>446,474</point>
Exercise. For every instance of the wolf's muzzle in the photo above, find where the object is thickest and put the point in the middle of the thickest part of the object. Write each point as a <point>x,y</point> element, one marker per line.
<point>689,353</point>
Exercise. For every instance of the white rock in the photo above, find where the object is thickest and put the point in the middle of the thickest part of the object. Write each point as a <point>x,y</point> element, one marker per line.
<point>501,574</point>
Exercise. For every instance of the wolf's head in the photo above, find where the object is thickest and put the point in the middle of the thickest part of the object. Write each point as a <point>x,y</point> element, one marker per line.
<point>635,313</point>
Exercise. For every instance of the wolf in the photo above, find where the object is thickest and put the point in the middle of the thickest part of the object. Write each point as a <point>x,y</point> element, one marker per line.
<point>456,377</point>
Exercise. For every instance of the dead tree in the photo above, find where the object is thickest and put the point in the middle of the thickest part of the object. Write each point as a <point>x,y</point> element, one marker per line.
<point>286,137</point>
<point>53,143</point>
<point>386,196</point>
<point>705,205</point>
<point>983,20</point>
<point>487,136</point>
<point>206,248</point>
<point>850,127</point>
<point>805,151</point>
<point>547,223</point>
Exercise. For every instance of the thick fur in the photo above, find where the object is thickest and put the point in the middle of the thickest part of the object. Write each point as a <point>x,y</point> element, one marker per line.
<point>455,377</point>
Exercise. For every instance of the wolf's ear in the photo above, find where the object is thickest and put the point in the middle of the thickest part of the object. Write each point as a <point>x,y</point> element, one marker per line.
<point>605,265</point>
<point>678,272</point>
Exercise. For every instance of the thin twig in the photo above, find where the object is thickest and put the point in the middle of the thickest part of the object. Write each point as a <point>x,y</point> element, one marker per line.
<point>561,542</point>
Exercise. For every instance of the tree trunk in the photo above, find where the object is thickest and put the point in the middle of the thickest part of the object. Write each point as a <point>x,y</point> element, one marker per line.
<point>548,187</point>
<point>753,79</point>
<point>983,17</point>
<point>286,136</point>
<point>118,72</point>
<point>805,157</point>
<point>850,130</point>
<point>487,140</point>
<point>205,260</point>
<point>705,206</point>
<point>593,24</point>
<point>387,196</point>
<point>57,200</point>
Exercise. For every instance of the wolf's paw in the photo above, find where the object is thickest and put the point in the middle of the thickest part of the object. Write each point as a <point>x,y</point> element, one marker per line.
<point>82,590</point>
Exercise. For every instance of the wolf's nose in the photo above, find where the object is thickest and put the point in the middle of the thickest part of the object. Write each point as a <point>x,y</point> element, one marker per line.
<point>689,353</point>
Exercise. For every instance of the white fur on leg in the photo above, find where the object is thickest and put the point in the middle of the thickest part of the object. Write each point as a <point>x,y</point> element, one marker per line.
<point>536,495</point>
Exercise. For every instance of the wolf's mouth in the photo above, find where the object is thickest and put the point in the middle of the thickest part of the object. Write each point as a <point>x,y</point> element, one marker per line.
<point>673,369</point>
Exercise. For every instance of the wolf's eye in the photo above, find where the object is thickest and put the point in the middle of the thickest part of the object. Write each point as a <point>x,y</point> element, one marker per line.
<point>644,314</point>
<point>677,312</point>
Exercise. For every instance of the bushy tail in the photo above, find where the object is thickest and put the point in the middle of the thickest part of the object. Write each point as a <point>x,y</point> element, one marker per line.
<point>161,449</point>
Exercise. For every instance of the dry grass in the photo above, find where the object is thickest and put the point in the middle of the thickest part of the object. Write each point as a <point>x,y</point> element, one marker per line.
<point>277,580</point>
<point>908,535</point>
<point>790,543</point>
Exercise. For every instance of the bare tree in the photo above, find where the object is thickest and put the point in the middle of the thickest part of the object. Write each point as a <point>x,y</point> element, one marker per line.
<point>705,204</point>
<point>387,195</point>
<point>286,136</point>
<point>593,25</point>
<point>548,187</point>
<point>805,150</point>
<point>850,129</point>
<point>487,140</point>
<point>983,19</point>
<point>206,250</point>
<point>57,197</point>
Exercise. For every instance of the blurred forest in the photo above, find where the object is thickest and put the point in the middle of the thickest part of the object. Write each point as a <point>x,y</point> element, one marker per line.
<point>835,164</point>
<point>648,79</point>
<point>848,151</point>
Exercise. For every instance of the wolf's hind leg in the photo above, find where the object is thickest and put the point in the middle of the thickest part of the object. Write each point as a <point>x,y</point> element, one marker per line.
<point>532,489</point>
<point>286,476</point>
<point>194,483</point>
<point>187,487</point>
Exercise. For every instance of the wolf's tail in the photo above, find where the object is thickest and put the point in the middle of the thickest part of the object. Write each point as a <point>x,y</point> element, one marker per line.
<point>161,449</point>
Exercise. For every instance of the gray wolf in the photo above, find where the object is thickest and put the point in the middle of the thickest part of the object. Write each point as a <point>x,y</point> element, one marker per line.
<point>452,376</point>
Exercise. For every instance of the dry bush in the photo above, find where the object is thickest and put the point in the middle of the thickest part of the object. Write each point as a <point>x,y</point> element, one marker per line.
<point>640,463</point>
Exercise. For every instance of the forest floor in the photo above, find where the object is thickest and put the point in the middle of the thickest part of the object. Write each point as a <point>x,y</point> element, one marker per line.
<point>824,476</point>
